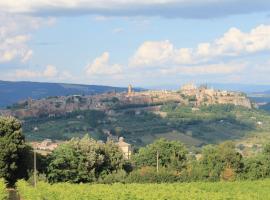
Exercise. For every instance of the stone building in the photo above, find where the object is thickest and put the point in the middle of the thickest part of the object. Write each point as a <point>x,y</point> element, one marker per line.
<point>45,145</point>
<point>189,86</point>
<point>130,90</point>
<point>125,147</point>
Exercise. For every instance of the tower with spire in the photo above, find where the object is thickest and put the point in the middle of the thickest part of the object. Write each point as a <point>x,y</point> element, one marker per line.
<point>130,90</point>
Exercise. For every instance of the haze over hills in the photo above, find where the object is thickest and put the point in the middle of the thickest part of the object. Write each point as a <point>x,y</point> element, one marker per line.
<point>257,93</point>
<point>247,88</point>
<point>12,92</point>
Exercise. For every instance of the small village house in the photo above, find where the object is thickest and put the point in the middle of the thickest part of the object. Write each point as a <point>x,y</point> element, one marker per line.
<point>125,147</point>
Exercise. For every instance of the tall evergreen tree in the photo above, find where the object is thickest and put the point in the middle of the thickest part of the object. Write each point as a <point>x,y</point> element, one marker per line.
<point>13,148</point>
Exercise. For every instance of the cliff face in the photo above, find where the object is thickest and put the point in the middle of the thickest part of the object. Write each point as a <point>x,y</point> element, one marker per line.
<point>192,96</point>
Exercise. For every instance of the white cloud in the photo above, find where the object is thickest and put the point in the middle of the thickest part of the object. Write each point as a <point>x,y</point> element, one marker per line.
<point>153,53</point>
<point>15,33</point>
<point>207,69</point>
<point>24,73</point>
<point>67,76</point>
<point>235,42</point>
<point>15,47</point>
<point>118,30</point>
<point>101,66</point>
<point>167,8</point>
<point>50,71</point>
<point>232,44</point>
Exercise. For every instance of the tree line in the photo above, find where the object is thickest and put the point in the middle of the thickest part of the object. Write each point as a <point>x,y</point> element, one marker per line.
<point>85,160</point>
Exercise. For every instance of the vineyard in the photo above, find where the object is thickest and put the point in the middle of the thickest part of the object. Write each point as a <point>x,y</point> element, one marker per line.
<point>244,190</point>
<point>3,192</point>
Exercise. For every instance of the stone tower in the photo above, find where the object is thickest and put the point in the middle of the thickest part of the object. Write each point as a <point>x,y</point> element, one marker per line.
<point>130,89</point>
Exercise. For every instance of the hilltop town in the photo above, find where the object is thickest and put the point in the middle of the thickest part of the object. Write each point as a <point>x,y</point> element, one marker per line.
<point>188,94</point>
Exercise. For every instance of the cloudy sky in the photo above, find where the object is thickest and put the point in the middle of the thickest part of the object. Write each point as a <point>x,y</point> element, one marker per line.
<point>144,42</point>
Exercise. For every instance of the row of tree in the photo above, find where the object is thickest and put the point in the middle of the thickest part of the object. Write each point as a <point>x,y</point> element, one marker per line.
<point>86,160</point>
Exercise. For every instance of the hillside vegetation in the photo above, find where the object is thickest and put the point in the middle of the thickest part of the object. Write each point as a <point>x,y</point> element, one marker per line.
<point>194,127</point>
<point>244,190</point>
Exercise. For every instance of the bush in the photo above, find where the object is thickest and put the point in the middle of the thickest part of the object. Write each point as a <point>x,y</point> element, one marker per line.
<point>114,177</point>
<point>26,191</point>
<point>150,175</point>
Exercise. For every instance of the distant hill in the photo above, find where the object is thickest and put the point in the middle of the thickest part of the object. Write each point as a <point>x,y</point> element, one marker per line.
<point>267,92</point>
<point>266,107</point>
<point>247,88</point>
<point>12,92</point>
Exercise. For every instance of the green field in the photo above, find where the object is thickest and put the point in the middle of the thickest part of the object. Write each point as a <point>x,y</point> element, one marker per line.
<point>245,190</point>
<point>208,124</point>
<point>3,191</point>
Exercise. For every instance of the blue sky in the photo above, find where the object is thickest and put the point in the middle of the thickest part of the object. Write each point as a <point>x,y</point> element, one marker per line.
<point>146,43</point>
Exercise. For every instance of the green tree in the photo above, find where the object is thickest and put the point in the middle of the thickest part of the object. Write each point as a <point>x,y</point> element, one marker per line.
<point>257,167</point>
<point>170,153</point>
<point>254,168</point>
<point>13,164</point>
<point>221,161</point>
<point>83,160</point>
<point>113,157</point>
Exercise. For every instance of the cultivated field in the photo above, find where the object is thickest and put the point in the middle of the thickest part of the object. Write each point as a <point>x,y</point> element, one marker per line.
<point>244,190</point>
<point>3,192</point>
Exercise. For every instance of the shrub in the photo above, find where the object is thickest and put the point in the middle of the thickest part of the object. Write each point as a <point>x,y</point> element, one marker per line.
<point>114,177</point>
<point>150,175</point>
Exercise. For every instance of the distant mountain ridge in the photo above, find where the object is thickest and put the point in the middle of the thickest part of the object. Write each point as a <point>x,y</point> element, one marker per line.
<point>240,87</point>
<point>267,92</point>
<point>12,92</point>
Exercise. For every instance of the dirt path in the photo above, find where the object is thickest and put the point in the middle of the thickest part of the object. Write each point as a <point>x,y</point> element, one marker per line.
<point>13,194</point>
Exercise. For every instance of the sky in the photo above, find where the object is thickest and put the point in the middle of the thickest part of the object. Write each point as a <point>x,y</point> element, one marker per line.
<point>146,43</point>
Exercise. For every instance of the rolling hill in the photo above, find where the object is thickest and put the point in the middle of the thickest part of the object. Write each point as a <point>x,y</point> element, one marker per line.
<point>266,107</point>
<point>206,125</point>
<point>12,92</point>
<point>194,116</point>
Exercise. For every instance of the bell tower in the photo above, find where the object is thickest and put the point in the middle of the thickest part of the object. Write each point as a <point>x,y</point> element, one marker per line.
<point>130,89</point>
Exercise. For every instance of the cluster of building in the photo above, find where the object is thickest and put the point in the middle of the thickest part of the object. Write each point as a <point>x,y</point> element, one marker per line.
<point>208,96</point>
<point>47,146</point>
<point>189,93</point>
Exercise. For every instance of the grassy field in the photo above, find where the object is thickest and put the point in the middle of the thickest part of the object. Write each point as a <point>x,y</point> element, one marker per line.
<point>244,190</point>
<point>3,191</point>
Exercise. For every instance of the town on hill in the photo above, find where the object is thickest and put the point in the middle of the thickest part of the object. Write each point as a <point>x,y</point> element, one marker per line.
<point>193,115</point>
<point>188,94</point>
